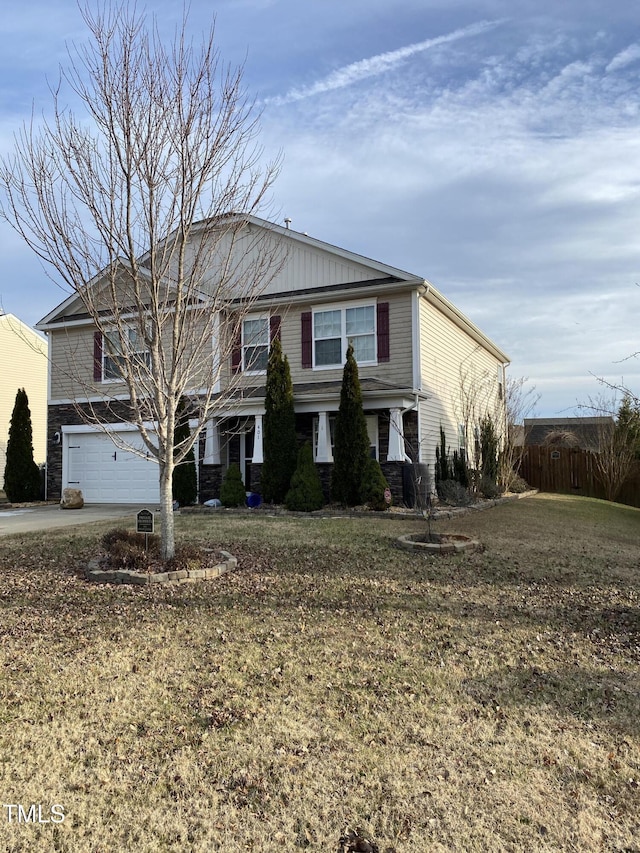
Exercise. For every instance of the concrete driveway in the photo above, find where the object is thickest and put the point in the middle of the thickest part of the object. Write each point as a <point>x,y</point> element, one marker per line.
<point>37,518</point>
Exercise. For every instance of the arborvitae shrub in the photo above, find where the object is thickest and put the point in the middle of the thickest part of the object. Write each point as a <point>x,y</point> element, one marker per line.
<point>460,472</point>
<point>351,440</point>
<point>488,488</point>
<point>373,486</point>
<point>305,494</point>
<point>185,481</point>
<point>280,443</point>
<point>443,467</point>
<point>21,474</point>
<point>232,491</point>
<point>489,446</point>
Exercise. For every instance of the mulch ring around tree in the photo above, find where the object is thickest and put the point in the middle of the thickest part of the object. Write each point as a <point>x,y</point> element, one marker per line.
<point>130,557</point>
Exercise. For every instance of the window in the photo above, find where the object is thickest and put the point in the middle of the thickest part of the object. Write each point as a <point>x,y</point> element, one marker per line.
<point>113,358</point>
<point>255,344</point>
<point>372,431</point>
<point>336,328</point>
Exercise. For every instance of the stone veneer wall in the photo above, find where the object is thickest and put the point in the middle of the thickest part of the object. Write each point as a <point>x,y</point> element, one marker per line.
<point>210,476</point>
<point>71,414</point>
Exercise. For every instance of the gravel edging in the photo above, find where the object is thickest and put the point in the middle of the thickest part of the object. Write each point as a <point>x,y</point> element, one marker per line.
<point>98,575</point>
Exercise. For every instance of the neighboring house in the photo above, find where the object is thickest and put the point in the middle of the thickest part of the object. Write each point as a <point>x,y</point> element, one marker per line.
<point>581,433</point>
<point>412,346</point>
<point>23,356</point>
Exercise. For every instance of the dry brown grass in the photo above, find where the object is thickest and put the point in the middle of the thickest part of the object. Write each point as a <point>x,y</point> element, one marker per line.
<point>483,703</point>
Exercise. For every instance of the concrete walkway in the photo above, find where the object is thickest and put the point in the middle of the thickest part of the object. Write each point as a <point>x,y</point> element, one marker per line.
<point>29,519</point>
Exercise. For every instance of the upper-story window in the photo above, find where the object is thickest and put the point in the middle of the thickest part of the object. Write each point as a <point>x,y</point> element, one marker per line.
<point>113,356</point>
<point>255,344</point>
<point>250,351</point>
<point>335,328</point>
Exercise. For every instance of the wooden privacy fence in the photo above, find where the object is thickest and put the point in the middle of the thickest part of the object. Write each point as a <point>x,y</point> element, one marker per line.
<point>570,470</point>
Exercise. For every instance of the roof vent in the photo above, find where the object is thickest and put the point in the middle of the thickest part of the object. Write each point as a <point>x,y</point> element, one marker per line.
<point>287,222</point>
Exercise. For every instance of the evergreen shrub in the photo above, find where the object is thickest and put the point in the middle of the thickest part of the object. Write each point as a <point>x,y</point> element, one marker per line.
<point>453,493</point>
<point>351,442</point>
<point>305,493</point>
<point>280,442</point>
<point>21,474</point>
<point>232,490</point>
<point>374,485</point>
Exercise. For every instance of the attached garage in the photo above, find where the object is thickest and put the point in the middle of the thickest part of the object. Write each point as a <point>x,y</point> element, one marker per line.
<point>105,472</point>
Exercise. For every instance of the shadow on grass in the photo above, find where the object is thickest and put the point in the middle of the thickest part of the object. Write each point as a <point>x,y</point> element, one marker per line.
<point>585,694</point>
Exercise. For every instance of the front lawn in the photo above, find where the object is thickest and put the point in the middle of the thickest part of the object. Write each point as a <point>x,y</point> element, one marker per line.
<point>480,703</point>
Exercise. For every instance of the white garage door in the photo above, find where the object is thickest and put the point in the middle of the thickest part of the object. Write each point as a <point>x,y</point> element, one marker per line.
<point>107,474</point>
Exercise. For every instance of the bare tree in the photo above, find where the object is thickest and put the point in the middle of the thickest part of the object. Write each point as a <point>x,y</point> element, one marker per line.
<point>521,400</point>
<point>617,443</point>
<point>480,398</point>
<point>140,206</point>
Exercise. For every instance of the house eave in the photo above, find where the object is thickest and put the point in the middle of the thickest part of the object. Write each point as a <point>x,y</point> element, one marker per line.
<point>442,304</point>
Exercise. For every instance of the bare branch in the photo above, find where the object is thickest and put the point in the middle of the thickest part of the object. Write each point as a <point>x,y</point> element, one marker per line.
<point>141,206</point>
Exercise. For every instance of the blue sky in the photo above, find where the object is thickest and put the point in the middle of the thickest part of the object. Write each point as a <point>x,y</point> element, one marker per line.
<point>492,147</point>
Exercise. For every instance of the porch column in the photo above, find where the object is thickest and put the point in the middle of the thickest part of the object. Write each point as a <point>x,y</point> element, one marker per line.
<point>212,443</point>
<point>258,452</point>
<point>323,450</point>
<point>396,451</point>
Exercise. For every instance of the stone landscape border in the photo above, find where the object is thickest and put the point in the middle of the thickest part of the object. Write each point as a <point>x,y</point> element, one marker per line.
<point>94,573</point>
<point>443,543</point>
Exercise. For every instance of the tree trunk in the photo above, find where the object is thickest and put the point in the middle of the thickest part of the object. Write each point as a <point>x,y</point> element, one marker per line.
<point>168,541</point>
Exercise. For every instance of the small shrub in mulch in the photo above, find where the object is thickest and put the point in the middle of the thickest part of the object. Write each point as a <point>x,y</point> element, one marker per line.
<point>305,494</point>
<point>518,485</point>
<point>232,490</point>
<point>126,549</point>
<point>453,493</point>
<point>489,488</point>
<point>374,486</point>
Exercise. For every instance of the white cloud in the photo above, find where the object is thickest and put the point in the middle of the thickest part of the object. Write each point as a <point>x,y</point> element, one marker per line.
<point>626,57</point>
<point>374,65</point>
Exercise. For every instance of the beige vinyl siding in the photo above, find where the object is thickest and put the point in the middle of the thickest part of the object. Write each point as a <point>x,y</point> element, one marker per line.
<point>397,371</point>
<point>72,363</point>
<point>296,265</point>
<point>308,267</point>
<point>72,358</point>
<point>450,357</point>
<point>23,356</point>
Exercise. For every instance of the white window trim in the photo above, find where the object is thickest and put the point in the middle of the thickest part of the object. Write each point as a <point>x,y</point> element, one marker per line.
<point>111,380</point>
<point>344,341</point>
<point>267,319</point>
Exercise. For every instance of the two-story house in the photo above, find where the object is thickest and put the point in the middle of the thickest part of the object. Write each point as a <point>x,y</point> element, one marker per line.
<point>413,349</point>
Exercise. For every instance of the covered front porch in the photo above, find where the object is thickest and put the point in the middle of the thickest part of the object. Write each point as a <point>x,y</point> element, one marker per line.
<point>392,426</point>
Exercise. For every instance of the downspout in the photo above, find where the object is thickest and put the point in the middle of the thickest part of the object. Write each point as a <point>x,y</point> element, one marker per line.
<point>422,290</point>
